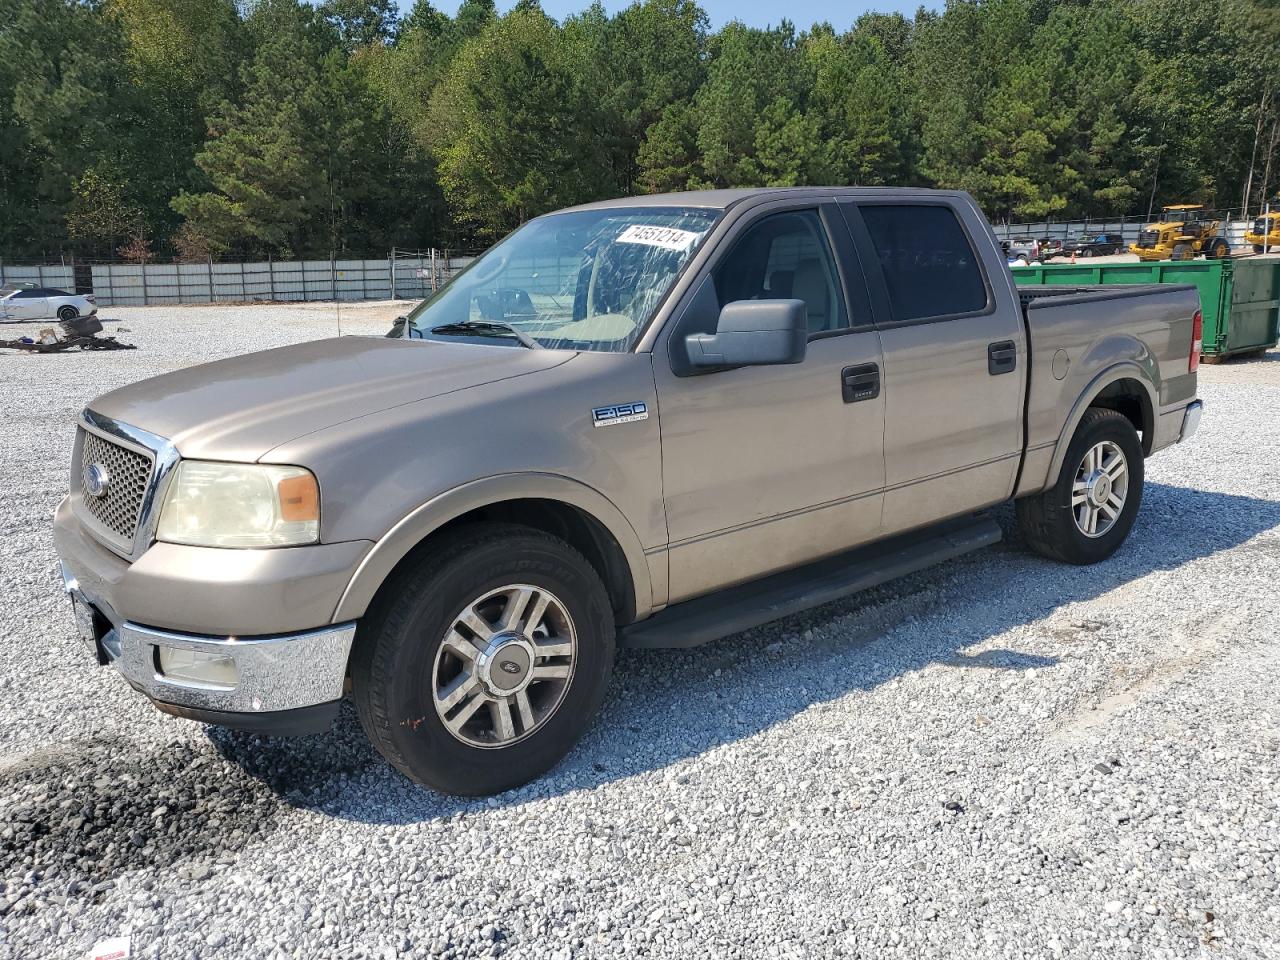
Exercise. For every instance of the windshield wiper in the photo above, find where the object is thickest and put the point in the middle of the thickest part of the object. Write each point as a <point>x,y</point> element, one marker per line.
<point>489,327</point>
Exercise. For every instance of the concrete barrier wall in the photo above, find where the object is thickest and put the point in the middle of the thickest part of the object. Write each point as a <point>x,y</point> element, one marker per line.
<point>134,285</point>
<point>49,275</point>
<point>1235,229</point>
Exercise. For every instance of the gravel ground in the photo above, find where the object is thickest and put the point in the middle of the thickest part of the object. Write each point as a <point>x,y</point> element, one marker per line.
<point>1002,757</point>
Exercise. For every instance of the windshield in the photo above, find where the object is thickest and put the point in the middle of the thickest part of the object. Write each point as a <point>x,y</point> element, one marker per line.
<point>587,280</point>
<point>1179,216</point>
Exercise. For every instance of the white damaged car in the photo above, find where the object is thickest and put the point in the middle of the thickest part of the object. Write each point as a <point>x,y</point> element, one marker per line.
<point>24,301</point>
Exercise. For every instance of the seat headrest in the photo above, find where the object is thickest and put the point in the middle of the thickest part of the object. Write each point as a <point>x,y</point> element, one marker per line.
<point>810,285</point>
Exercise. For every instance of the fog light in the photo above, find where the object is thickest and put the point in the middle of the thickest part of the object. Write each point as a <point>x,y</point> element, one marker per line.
<point>213,671</point>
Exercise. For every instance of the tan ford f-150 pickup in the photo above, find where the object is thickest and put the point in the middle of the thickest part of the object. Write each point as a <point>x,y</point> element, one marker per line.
<point>651,421</point>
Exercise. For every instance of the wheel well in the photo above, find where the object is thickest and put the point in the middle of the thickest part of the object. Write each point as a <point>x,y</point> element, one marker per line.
<point>1129,398</point>
<point>576,527</point>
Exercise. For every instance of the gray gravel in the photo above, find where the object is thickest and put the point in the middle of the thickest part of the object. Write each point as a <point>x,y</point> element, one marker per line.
<point>1002,757</point>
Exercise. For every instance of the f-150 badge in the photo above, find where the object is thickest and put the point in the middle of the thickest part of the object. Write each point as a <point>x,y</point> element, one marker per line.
<point>619,413</point>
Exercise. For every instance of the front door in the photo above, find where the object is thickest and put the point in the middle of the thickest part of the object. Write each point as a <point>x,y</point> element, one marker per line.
<point>954,360</point>
<point>28,305</point>
<point>768,467</point>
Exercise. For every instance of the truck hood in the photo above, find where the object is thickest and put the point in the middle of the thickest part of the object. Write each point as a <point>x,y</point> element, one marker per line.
<point>240,408</point>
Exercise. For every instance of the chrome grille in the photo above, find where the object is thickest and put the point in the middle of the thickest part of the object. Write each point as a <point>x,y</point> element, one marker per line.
<point>128,473</point>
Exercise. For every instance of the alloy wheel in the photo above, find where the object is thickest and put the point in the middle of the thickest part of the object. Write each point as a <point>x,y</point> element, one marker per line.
<point>505,665</point>
<point>1100,489</point>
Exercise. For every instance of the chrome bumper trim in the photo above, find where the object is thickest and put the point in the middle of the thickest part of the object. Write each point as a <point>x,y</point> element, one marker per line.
<point>275,672</point>
<point>1191,420</point>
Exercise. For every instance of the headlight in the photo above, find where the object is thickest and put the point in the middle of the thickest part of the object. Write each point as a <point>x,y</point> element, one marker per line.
<point>240,505</point>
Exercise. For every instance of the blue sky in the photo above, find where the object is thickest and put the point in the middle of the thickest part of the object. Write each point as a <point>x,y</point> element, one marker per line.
<point>757,13</point>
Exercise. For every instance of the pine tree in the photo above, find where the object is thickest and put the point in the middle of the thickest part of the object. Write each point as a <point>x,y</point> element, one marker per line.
<point>512,126</point>
<point>271,157</point>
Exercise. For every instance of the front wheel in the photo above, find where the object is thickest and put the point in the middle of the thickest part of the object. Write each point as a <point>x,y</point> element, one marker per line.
<point>1219,250</point>
<point>1085,516</point>
<point>483,662</point>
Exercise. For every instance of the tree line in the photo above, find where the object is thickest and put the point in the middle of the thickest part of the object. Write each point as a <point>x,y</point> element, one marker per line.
<point>253,128</point>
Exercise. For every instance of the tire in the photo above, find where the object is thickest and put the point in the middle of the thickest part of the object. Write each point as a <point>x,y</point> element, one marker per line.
<point>402,666</point>
<point>1219,250</point>
<point>67,313</point>
<point>1050,524</point>
<point>1182,251</point>
<point>1257,248</point>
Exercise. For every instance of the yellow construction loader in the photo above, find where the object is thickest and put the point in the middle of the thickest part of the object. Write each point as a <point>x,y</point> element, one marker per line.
<point>1182,233</point>
<point>1264,234</point>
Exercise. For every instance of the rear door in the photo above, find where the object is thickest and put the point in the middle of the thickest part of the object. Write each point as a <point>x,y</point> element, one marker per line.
<point>769,467</point>
<point>954,357</point>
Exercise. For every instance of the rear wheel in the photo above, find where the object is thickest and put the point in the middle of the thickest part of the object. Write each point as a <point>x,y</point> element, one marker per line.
<point>1085,516</point>
<point>485,661</point>
<point>1219,250</point>
<point>67,313</point>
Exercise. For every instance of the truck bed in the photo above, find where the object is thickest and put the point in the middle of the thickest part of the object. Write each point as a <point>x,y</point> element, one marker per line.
<point>1093,292</point>
<point>1076,333</point>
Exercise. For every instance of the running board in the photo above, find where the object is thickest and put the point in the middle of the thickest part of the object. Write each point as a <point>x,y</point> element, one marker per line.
<point>747,605</point>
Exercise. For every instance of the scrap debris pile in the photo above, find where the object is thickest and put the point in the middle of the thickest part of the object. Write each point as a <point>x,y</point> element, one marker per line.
<point>80,333</point>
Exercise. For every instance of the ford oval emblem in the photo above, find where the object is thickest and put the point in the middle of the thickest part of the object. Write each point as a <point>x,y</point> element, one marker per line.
<point>96,480</point>
<point>506,666</point>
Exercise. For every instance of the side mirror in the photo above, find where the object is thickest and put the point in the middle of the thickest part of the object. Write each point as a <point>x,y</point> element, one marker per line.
<point>753,333</point>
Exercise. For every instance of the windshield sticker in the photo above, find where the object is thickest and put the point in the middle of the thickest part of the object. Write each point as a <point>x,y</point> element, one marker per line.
<point>668,238</point>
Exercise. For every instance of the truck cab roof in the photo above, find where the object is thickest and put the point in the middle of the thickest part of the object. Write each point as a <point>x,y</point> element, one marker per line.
<point>725,199</point>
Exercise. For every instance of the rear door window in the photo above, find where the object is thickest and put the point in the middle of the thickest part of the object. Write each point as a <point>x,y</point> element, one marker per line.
<point>930,268</point>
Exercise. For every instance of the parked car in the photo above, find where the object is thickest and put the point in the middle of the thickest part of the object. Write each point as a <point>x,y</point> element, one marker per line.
<point>1026,247</point>
<point>1071,244</point>
<point>1050,247</point>
<point>705,411</point>
<point>20,302</point>
<point>1100,245</point>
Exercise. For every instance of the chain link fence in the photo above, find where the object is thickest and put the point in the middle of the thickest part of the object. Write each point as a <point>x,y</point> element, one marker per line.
<point>401,275</point>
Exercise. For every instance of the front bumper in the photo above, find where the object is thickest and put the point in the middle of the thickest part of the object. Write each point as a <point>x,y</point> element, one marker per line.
<point>289,683</point>
<point>265,615</point>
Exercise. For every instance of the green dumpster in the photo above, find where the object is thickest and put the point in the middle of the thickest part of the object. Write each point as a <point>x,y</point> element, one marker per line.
<point>1240,299</point>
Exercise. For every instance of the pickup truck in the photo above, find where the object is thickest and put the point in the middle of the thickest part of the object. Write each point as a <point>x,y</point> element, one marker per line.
<point>651,421</point>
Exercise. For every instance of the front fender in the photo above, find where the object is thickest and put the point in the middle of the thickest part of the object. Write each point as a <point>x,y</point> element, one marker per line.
<point>436,512</point>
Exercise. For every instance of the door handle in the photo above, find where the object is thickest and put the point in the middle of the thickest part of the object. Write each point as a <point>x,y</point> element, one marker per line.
<point>1002,357</point>
<point>860,383</point>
